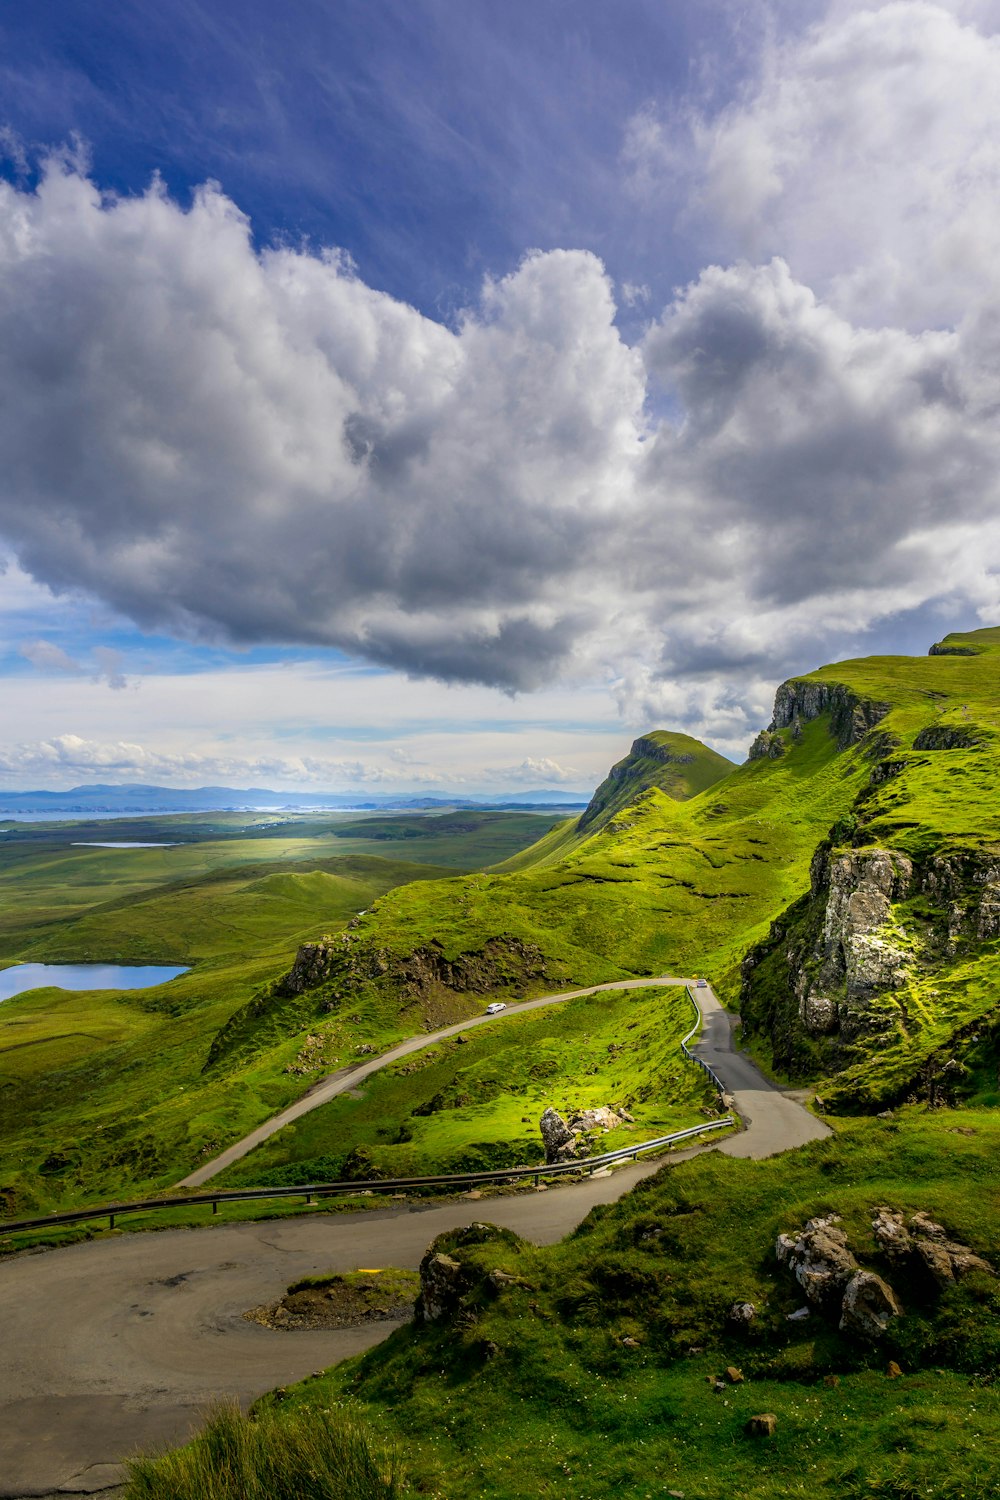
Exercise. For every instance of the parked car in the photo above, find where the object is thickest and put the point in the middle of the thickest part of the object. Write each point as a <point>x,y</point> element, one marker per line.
<point>495,1008</point>
<point>702,984</point>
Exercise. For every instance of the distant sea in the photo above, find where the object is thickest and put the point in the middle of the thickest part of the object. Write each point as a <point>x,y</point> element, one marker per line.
<point>85,815</point>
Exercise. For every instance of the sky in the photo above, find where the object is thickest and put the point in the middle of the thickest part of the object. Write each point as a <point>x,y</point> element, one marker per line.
<point>433,394</point>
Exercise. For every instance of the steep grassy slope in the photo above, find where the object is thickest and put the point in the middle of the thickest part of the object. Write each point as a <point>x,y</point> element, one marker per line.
<point>894,752</point>
<point>885,969</point>
<point>677,764</point>
<point>474,1103</point>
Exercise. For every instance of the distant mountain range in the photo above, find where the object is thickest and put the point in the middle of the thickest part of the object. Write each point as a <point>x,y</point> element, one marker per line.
<point>160,799</point>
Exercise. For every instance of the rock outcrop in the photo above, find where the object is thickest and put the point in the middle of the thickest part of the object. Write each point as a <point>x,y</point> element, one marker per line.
<point>565,1140</point>
<point>559,1140</point>
<point>801,700</point>
<point>868,1306</point>
<point>459,1267</point>
<point>819,1259</point>
<point>859,951</point>
<point>501,962</point>
<point>828,1272</point>
<point>442,1282</point>
<point>920,1240</point>
<point>312,966</point>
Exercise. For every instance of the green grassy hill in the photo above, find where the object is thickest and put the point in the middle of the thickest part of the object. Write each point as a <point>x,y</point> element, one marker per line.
<point>677,764</point>
<point>884,753</point>
<point>599,1367</point>
<point>844,886</point>
<point>109,1094</point>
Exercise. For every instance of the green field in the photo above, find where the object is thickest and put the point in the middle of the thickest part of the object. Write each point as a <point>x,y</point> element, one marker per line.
<point>474,1105</point>
<point>106,1094</point>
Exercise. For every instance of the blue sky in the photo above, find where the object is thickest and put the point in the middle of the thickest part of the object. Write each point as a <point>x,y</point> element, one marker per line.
<point>529,374</point>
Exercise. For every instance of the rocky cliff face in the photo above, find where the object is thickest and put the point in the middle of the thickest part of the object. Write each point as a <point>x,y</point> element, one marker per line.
<point>801,700</point>
<point>500,963</point>
<point>874,919</point>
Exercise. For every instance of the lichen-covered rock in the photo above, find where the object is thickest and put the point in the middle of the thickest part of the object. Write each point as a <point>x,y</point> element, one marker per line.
<point>767,746</point>
<point>869,1305</point>
<point>742,1314</point>
<point>948,1261</point>
<point>601,1118</point>
<point>442,1282</point>
<point>858,951</point>
<point>923,1240</point>
<point>819,1259</point>
<point>559,1140</point>
<point>891,1234</point>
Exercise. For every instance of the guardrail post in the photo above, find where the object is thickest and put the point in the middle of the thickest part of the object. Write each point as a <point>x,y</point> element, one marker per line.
<point>215,1205</point>
<point>111,1221</point>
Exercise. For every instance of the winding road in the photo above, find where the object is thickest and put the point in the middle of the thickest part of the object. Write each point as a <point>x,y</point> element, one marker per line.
<point>117,1345</point>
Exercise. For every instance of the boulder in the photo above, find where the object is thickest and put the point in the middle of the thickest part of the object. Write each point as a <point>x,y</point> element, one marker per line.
<point>922,1223</point>
<point>559,1140</point>
<point>742,1314</point>
<point>891,1234</point>
<point>923,1239</point>
<point>819,1259</point>
<point>763,1425</point>
<point>601,1118</point>
<point>442,1282</point>
<point>868,1307</point>
<point>948,1261</point>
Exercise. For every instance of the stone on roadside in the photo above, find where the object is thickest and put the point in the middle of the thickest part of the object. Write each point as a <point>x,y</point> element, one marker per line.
<point>559,1141</point>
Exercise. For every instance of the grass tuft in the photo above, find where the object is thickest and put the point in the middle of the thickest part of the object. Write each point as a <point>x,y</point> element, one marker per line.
<point>272,1455</point>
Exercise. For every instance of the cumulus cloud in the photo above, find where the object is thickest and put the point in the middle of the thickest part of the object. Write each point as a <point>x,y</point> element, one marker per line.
<point>868,157</point>
<point>256,446</point>
<point>261,446</point>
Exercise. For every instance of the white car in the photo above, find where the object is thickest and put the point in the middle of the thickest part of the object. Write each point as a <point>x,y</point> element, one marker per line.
<point>495,1008</point>
<point>702,984</point>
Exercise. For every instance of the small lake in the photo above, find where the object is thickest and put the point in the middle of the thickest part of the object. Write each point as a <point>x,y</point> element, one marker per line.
<point>124,844</point>
<point>21,977</point>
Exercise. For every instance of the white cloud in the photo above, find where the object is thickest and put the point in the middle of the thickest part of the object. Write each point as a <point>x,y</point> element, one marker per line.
<point>259,447</point>
<point>263,448</point>
<point>868,157</point>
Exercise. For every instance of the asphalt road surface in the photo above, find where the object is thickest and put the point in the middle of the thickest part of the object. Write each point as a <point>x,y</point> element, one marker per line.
<point>120,1345</point>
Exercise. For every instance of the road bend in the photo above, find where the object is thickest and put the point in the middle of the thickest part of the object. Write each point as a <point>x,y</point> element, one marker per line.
<point>120,1345</point>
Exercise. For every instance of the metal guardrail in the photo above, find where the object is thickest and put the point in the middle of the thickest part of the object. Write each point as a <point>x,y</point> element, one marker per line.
<point>692,1056</point>
<point>316,1190</point>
